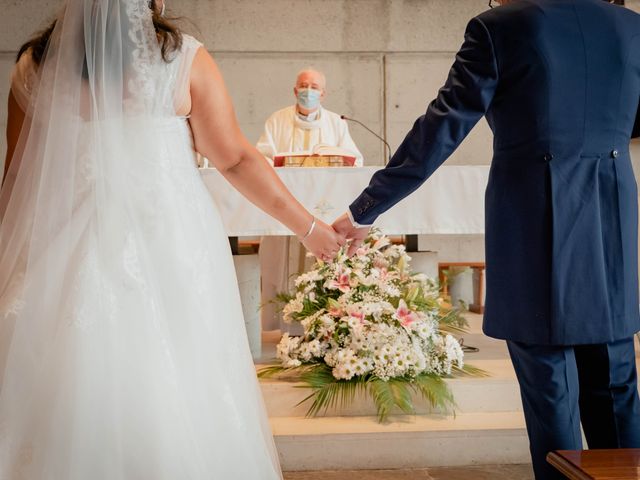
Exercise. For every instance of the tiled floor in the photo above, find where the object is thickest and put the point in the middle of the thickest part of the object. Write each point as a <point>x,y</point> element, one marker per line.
<point>489,472</point>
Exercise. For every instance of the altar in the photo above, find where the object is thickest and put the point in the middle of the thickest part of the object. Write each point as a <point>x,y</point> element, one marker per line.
<point>450,202</point>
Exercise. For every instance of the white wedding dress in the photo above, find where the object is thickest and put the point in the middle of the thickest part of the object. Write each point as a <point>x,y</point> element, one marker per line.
<point>123,352</point>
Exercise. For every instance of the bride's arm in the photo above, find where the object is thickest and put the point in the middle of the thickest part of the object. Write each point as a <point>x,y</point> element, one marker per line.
<point>15,119</point>
<point>218,137</point>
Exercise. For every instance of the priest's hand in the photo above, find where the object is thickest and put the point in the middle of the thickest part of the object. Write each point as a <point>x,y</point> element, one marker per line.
<point>323,241</point>
<point>356,235</point>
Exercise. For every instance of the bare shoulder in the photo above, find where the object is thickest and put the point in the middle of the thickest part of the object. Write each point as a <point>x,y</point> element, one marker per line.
<point>204,70</point>
<point>212,112</point>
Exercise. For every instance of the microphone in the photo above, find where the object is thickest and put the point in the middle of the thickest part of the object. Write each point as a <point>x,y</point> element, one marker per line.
<point>344,117</point>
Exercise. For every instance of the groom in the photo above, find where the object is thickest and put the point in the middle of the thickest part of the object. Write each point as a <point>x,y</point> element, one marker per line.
<point>559,84</point>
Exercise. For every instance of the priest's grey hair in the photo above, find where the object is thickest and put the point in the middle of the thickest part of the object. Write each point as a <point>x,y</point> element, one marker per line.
<point>314,70</point>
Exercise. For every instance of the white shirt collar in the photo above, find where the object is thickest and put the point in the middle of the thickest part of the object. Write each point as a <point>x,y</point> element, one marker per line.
<point>312,117</point>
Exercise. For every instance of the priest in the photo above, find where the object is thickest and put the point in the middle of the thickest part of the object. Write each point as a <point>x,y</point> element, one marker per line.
<point>300,127</point>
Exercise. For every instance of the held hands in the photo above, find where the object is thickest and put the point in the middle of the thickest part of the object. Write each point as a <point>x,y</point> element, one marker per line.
<point>348,231</point>
<point>323,241</point>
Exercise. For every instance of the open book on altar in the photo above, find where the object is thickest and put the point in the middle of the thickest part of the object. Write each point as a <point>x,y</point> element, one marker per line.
<point>320,156</point>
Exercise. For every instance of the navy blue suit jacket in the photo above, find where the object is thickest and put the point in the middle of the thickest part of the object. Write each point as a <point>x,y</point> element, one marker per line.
<point>559,84</point>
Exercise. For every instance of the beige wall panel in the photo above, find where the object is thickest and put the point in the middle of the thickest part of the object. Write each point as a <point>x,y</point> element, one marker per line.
<point>413,82</point>
<point>290,25</point>
<point>294,25</point>
<point>20,18</point>
<point>431,25</point>
<point>331,25</point>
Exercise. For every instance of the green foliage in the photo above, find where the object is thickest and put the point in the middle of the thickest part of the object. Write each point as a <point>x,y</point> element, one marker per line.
<point>387,395</point>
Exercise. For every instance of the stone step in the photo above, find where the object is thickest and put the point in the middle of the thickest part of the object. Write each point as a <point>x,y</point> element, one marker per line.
<point>496,393</point>
<point>339,443</point>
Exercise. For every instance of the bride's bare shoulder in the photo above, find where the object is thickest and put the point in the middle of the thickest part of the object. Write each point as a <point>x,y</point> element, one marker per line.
<point>204,69</point>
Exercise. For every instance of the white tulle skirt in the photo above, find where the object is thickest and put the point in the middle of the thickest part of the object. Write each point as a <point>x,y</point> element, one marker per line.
<point>124,356</point>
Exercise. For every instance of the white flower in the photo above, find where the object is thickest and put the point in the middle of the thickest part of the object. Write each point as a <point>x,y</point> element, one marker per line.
<point>291,363</point>
<point>391,290</point>
<point>309,277</point>
<point>344,363</point>
<point>381,243</point>
<point>290,309</point>
<point>454,351</point>
<point>420,278</point>
<point>287,351</point>
<point>310,350</point>
<point>424,329</point>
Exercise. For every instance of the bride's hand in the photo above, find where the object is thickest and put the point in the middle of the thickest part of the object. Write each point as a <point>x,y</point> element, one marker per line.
<point>323,242</point>
<point>355,235</point>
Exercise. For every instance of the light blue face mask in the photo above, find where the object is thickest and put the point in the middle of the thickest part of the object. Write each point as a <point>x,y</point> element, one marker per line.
<point>309,98</point>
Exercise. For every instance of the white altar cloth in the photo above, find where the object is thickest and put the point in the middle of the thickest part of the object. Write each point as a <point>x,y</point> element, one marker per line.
<point>450,202</point>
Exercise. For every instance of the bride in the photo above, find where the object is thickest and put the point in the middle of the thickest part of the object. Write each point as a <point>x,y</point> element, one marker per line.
<point>123,354</point>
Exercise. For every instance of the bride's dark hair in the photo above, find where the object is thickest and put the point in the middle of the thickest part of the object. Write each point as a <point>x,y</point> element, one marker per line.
<point>169,37</point>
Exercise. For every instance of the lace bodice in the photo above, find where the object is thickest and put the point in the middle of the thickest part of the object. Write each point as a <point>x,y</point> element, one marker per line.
<point>177,75</point>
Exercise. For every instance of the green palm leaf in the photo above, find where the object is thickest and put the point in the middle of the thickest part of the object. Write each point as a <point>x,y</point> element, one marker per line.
<point>436,391</point>
<point>271,371</point>
<point>382,396</point>
<point>469,371</point>
<point>327,392</point>
<point>401,389</point>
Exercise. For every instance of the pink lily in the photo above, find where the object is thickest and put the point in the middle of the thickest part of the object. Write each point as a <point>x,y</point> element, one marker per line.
<point>404,315</point>
<point>335,309</point>
<point>343,282</point>
<point>358,315</point>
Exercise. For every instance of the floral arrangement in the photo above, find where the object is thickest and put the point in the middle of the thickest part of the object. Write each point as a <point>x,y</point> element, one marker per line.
<point>371,325</point>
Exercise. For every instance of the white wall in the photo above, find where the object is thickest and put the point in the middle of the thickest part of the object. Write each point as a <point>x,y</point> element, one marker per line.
<point>384,59</point>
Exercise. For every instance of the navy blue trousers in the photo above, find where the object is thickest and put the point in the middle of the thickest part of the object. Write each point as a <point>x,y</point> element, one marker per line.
<point>562,387</point>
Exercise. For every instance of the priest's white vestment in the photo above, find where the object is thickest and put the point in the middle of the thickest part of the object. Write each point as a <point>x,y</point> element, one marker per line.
<point>285,132</point>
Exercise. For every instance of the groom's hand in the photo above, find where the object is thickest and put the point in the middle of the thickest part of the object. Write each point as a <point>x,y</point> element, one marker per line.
<point>346,229</point>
